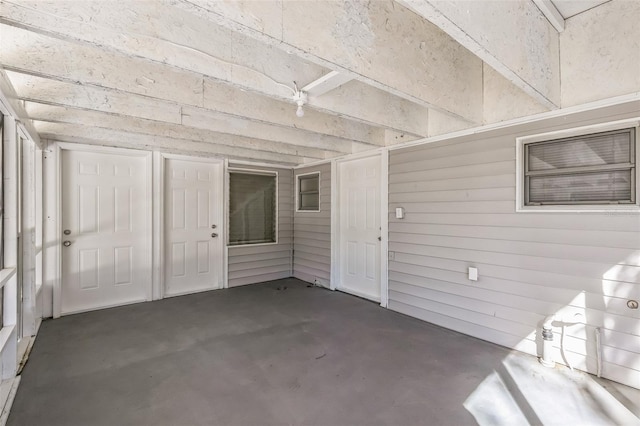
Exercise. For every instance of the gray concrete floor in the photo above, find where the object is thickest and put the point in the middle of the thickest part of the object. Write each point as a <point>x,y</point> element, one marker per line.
<point>254,355</point>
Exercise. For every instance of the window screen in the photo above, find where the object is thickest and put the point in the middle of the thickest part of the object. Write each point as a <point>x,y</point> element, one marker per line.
<point>309,192</point>
<point>590,169</point>
<point>252,208</point>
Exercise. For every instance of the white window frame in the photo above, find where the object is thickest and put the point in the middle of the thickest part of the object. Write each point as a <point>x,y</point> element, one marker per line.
<point>568,133</point>
<point>298,210</point>
<point>228,204</point>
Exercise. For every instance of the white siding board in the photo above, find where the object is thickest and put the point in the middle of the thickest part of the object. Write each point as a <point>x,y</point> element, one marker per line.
<point>459,200</point>
<point>302,255</point>
<point>300,274</point>
<point>472,303</point>
<point>457,207</point>
<point>450,321</point>
<point>301,266</point>
<point>607,255</point>
<point>537,299</point>
<point>253,273</point>
<point>468,159</point>
<point>315,220</point>
<point>311,250</point>
<point>312,232</point>
<point>320,244</point>
<point>405,252</point>
<point>265,277</point>
<point>613,239</point>
<point>488,169</point>
<point>443,149</point>
<point>258,264</point>
<point>258,257</point>
<point>479,182</point>
<point>485,194</point>
<point>253,264</point>
<point>584,221</point>
<point>416,265</point>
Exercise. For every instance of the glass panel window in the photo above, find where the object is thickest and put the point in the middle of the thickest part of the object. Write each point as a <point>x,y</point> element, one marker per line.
<point>590,169</point>
<point>252,208</point>
<point>309,192</point>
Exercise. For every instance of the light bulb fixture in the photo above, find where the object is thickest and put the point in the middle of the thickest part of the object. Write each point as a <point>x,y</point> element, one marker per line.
<point>300,98</point>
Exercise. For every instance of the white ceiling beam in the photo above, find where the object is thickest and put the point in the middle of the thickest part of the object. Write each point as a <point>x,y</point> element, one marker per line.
<point>326,83</point>
<point>90,63</point>
<point>550,11</point>
<point>10,100</point>
<point>60,114</point>
<point>195,46</point>
<point>230,100</point>
<point>380,43</point>
<point>43,90</point>
<point>513,37</point>
<point>111,137</point>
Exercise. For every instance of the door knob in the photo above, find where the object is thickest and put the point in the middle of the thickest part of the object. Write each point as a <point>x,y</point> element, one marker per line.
<point>66,243</point>
<point>213,227</point>
<point>214,235</point>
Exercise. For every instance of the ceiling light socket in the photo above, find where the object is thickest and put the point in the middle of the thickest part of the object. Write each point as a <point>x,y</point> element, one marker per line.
<point>300,98</point>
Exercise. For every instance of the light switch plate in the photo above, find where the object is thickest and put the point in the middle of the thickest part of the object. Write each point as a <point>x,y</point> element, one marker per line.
<point>473,273</point>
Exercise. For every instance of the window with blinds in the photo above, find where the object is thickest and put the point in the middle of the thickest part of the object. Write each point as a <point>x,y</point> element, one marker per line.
<point>590,169</point>
<point>252,208</point>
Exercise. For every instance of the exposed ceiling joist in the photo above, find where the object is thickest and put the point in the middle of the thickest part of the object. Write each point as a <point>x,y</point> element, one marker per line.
<point>114,29</point>
<point>10,98</point>
<point>326,83</point>
<point>379,43</point>
<point>112,137</point>
<point>62,114</point>
<point>88,98</point>
<point>552,14</point>
<point>494,32</point>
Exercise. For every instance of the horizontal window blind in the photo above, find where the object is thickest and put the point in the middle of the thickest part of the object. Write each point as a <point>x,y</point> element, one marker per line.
<point>589,169</point>
<point>252,208</point>
<point>596,187</point>
<point>592,151</point>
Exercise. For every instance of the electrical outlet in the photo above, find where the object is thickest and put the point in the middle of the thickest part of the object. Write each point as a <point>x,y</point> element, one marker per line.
<point>473,273</point>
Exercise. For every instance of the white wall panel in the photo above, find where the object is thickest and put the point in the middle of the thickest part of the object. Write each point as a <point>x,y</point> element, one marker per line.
<point>312,232</point>
<point>459,199</point>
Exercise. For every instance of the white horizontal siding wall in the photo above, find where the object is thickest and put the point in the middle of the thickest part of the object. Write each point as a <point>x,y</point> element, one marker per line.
<point>459,198</point>
<point>312,233</point>
<point>252,264</point>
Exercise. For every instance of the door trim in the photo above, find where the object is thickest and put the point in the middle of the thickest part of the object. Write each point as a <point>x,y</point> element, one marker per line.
<point>56,174</point>
<point>159,219</point>
<point>336,260</point>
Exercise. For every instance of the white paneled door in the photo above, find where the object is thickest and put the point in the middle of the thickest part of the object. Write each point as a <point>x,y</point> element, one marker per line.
<point>360,234</point>
<point>106,228</point>
<point>193,226</point>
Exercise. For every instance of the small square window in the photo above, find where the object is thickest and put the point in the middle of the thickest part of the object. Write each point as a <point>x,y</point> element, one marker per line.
<point>309,192</point>
<point>589,169</point>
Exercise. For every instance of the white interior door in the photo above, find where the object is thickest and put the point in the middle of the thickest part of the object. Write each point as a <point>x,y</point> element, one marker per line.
<point>359,227</point>
<point>193,226</point>
<point>106,228</point>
